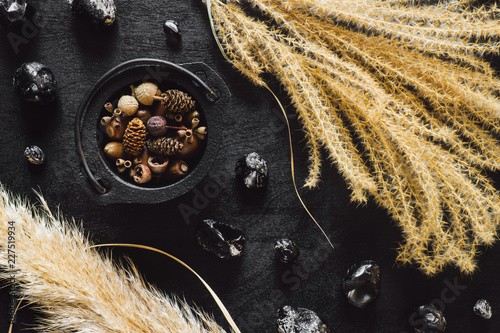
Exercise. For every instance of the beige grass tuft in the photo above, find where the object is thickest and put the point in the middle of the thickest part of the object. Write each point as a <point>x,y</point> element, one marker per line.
<point>75,287</point>
<point>398,95</point>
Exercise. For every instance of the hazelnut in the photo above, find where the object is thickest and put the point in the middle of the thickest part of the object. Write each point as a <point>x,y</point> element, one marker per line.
<point>114,150</point>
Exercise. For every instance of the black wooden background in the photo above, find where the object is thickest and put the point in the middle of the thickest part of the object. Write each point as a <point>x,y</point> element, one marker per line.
<point>253,287</point>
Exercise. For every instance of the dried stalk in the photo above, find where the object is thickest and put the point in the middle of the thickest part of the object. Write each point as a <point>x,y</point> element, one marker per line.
<point>398,95</point>
<point>75,287</point>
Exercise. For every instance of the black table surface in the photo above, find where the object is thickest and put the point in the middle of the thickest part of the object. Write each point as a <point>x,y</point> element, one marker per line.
<point>254,286</point>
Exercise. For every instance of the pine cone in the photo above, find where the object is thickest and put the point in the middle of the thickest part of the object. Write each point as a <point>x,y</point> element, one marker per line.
<point>164,146</point>
<point>134,137</point>
<point>177,101</point>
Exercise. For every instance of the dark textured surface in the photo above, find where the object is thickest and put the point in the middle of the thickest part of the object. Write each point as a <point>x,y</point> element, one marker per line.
<point>256,285</point>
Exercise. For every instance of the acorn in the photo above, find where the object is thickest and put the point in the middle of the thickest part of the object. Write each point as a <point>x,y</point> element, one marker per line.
<point>177,170</point>
<point>114,150</point>
<point>159,109</point>
<point>145,92</point>
<point>157,165</point>
<point>142,174</point>
<point>144,115</point>
<point>128,105</point>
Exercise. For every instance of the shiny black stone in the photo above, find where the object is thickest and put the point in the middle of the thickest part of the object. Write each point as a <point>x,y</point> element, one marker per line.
<point>252,170</point>
<point>12,11</point>
<point>362,283</point>
<point>428,320</point>
<point>299,320</point>
<point>220,239</point>
<point>171,30</point>
<point>34,82</point>
<point>286,250</point>
<point>483,309</point>
<point>35,155</point>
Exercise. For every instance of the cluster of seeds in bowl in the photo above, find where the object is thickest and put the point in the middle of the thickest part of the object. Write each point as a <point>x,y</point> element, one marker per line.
<point>153,135</point>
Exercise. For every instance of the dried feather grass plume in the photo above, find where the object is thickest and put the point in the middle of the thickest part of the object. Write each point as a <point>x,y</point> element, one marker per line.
<point>75,287</point>
<point>397,93</point>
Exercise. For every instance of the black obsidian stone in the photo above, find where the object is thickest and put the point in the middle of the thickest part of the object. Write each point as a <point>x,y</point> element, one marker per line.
<point>252,171</point>
<point>35,83</point>
<point>299,320</point>
<point>483,309</point>
<point>286,250</point>
<point>35,155</point>
<point>429,320</point>
<point>172,32</point>
<point>362,283</point>
<point>12,12</point>
<point>221,239</point>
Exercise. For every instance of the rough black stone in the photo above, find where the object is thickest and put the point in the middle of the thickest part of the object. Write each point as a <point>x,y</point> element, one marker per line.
<point>252,170</point>
<point>221,239</point>
<point>299,320</point>
<point>286,250</point>
<point>483,308</point>
<point>35,83</point>
<point>429,320</point>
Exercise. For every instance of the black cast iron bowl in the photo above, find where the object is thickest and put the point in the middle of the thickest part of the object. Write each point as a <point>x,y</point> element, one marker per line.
<point>197,79</point>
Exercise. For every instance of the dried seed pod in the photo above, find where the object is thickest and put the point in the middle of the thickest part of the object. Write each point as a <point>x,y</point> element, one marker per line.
<point>115,129</point>
<point>114,150</point>
<point>137,160</point>
<point>101,12</point>
<point>176,170</point>
<point>157,165</point>
<point>35,155</point>
<point>200,132</point>
<point>105,121</point>
<point>190,116</point>
<point>108,107</point>
<point>142,174</point>
<point>145,93</point>
<point>192,144</point>
<point>134,137</point>
<point>144,115</point>
<point>128,105</point>
<point>176,101</point>
<point>35,83</point>
<point>164,146</point>
<point>156,126</point>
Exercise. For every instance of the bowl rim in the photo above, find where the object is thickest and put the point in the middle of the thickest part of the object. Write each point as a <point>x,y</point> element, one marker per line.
<point>211,93</point>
